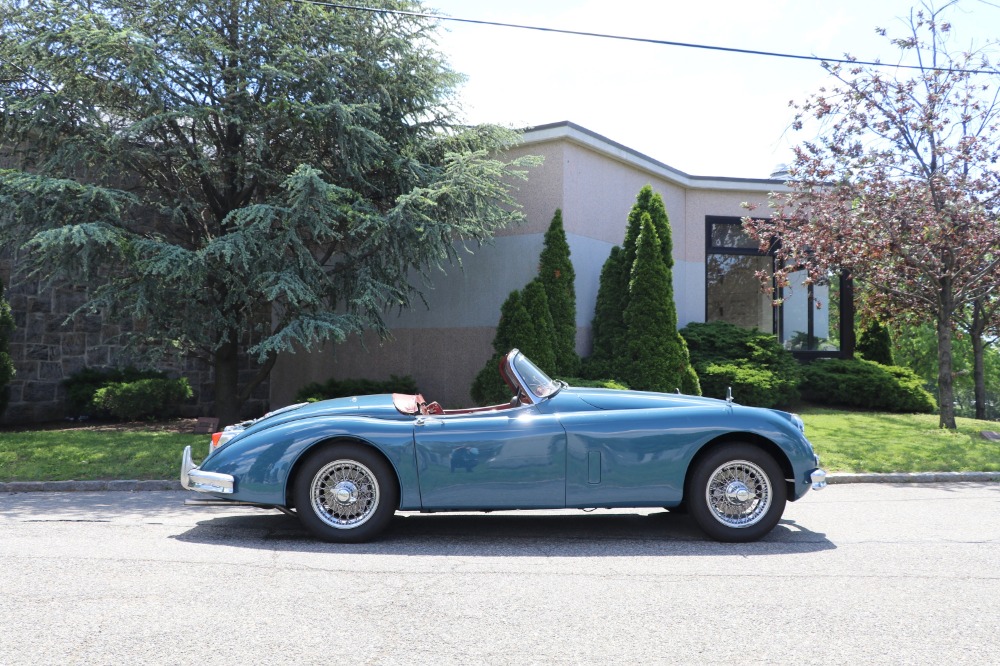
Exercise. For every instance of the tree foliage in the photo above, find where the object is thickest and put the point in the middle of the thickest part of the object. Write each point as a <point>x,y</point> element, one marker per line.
<point>555,270</point>
<point>901,187</point>
<point>240,175</point>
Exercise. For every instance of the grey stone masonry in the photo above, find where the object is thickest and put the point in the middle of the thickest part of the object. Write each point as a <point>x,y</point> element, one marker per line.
<point>47,347</point>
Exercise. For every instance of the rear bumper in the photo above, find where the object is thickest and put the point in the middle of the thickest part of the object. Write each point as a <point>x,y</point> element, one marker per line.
<point>193,478</point>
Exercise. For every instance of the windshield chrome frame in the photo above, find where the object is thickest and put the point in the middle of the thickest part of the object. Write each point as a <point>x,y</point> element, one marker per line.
<point>523,385</point>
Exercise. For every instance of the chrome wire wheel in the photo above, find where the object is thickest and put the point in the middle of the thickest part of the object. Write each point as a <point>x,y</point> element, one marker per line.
<point>738,493</point>
<point>344,494</point>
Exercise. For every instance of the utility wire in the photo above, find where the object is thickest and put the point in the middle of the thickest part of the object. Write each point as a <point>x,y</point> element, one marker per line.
<point>626,38</point>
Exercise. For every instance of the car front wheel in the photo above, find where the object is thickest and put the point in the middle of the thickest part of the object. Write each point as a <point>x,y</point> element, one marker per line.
<point>736,493</point>
<point>345,493</point>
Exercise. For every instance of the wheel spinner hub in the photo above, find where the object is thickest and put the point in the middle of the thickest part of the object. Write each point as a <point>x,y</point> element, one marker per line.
<point>345,492</point>
<point>737,492</point>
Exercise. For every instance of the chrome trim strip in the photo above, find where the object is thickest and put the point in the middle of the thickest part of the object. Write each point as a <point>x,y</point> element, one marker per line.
<point>193,478</point>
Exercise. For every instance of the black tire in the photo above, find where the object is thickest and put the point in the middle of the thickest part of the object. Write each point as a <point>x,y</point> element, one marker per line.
<point>345,493</point>
<point>736,493</point>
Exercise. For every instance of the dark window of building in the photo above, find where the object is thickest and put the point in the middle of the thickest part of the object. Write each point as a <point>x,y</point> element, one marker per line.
<point>807,318</point>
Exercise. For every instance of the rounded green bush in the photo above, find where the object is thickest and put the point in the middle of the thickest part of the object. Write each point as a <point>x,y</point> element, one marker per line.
<point>144,398</point>
<point>865,384</point>
<point>760,371</point>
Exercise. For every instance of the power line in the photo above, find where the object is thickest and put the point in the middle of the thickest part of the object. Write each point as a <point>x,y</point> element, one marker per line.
<point>645,40</point>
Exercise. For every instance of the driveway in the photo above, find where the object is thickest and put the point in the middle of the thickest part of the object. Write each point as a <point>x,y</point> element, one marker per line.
<point>856,573</point>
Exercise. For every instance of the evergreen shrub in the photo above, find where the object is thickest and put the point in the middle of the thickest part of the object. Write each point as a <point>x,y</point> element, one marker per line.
<point>555,270</point>
<point>345,388</point>
<point>143,398</point>
<point>760,371</point>
<point>83,385</point>
<point>595,383</point>
<point>874,344</point>
<point>865,384</point>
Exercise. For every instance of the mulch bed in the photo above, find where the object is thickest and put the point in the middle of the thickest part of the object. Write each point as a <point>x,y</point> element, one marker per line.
<point>172,425</point>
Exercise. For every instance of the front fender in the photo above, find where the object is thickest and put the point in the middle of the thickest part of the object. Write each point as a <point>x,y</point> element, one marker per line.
<point>262,463</point>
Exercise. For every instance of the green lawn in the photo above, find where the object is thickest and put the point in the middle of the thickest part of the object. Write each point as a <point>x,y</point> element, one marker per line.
<point>85,454</point>
<point>850,441</point>
<point>847,441</point>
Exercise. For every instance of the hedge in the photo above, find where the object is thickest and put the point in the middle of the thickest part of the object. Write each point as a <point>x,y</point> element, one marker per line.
<point>865,384</point>
<point>345,388</point>
<point>144,398</point>
<point>760,371</point>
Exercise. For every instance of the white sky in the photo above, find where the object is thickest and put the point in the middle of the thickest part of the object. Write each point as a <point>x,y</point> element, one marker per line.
<point>703,112</point>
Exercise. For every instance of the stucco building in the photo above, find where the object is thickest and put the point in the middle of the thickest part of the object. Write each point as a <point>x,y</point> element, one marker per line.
<point>594,181</point>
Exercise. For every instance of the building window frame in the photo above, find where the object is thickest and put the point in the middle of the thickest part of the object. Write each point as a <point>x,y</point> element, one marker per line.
<point>846,304</point>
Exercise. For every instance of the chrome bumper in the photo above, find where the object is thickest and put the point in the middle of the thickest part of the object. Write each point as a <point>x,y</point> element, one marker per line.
<point>818,478</point>
<point>193,478</point>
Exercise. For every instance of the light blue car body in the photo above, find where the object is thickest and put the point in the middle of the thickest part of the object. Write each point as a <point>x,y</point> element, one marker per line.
<point>576,448</point>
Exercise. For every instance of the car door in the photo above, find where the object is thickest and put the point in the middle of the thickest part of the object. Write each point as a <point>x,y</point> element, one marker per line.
<point>508,459</point>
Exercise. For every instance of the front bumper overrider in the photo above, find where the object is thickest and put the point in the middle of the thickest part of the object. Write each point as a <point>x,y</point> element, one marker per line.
<point>193,478</point>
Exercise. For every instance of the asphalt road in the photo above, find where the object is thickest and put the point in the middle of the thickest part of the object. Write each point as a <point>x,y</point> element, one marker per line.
<point>853,574</point>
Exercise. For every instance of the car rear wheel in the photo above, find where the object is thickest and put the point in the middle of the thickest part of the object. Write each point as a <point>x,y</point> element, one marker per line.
<point>345,493</point>
<point>736,493</point>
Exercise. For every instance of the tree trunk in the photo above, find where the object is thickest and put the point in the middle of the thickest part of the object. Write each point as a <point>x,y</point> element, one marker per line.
<point>227,377</point>
<point>946,390</point>
<point>978,350</point>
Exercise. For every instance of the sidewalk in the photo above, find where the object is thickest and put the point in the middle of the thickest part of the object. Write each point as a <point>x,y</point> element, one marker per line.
<point>133,486</point>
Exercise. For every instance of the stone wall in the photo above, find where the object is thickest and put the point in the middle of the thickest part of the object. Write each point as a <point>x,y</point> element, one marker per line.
<point>46,349</point>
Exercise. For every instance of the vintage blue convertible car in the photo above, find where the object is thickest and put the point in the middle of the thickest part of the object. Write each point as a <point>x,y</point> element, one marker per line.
<point>345,466</point>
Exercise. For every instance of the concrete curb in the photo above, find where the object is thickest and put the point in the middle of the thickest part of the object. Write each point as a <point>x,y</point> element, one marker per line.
<point>135,486</point>
<point>919,477</point>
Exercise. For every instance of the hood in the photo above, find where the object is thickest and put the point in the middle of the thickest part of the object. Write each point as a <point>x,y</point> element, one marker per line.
<point>374,406</point>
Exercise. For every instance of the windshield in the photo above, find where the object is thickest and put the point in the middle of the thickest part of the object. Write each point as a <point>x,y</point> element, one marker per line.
<point>536,381</point>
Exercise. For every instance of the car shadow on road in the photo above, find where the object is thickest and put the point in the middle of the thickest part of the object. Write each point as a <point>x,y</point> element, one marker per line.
<point>607,533</point>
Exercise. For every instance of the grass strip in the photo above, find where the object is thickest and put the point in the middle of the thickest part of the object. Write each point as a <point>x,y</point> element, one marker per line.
<point>93,455</point>
<point>867,442</point>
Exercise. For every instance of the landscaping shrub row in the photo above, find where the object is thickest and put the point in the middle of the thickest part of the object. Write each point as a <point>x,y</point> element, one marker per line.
<point>865,384</point>
<point>125,393</point>
<point>760,371</point>
<point>345,388</point>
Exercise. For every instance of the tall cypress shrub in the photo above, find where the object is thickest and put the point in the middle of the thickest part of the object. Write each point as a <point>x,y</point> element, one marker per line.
<point>607,327</point>
<point>514,326</point>
<point>6,364</point>
<point>555,270</point>
<point>536,340</point>
<point>651,203</point>
<point>874,344</point>
<point>656,357</point>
